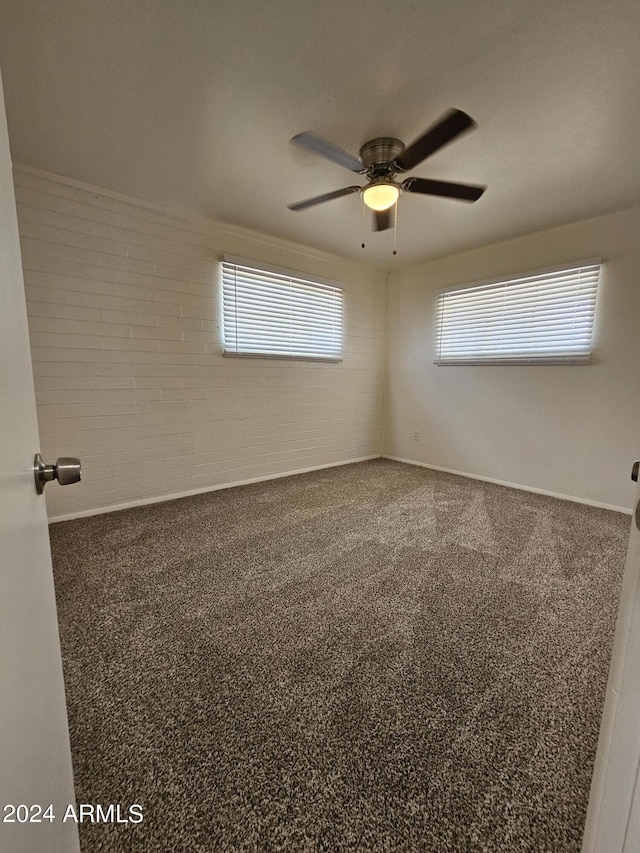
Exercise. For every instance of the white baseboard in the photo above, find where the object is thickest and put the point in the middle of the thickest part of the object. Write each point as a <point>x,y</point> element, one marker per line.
<point>175,495</point>
<point>519,486</point>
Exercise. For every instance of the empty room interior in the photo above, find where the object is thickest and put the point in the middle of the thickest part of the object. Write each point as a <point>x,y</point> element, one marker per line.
<point>344,514</point>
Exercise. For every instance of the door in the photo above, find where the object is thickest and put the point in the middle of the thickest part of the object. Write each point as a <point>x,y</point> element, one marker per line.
<point>35,759</point>
<point>613,818</point>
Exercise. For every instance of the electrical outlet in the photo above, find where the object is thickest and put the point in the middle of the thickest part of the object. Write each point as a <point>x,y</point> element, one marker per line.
<point>416,436</point>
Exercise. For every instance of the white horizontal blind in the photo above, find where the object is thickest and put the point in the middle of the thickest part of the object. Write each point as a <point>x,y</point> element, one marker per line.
<point>539,317</point>
<point>278,314</point>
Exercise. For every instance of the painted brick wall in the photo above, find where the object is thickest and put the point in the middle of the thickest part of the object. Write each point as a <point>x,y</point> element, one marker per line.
<point>123,304</point>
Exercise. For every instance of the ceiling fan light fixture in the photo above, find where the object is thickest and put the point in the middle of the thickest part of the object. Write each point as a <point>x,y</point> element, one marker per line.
<point>381,195</point>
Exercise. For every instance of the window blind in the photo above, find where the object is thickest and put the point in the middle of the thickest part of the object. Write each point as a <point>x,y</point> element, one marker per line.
<point>276,313</point>
<point>545,316</point>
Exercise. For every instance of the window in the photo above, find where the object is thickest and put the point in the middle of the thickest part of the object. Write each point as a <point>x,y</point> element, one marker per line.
<point>279,314</point>
<point>540,317</point>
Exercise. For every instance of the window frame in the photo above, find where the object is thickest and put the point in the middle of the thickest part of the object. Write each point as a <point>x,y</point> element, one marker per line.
<point>296,275</point>
<point>525,359</point>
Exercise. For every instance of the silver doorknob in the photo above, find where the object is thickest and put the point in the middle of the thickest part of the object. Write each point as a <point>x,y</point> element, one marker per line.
<point>66,470</point>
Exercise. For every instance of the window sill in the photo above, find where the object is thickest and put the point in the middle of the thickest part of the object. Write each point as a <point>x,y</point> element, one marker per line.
<point>321,358</point>
<point>466,362</point>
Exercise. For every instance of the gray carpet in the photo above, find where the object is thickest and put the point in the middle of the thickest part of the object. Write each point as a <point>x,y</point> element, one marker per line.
<point>374,657</point>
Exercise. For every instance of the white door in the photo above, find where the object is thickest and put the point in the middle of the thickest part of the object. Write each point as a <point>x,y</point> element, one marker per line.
<point>613,819</point>
<point>35,759</point>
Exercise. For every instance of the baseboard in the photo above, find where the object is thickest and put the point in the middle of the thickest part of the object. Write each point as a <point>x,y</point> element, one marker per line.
<point>176,495</point>
<point>519,486</point>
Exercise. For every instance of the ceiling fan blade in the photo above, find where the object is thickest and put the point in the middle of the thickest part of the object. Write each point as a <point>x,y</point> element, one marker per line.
<point>384,219</point>
<point>450,125</point>
<point>464,192</point>
<point>327,149</point>
<point>319,199</point>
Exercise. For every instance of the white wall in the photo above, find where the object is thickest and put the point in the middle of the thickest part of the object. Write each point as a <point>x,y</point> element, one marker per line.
<point>573,430</point>
<point>126,346</point>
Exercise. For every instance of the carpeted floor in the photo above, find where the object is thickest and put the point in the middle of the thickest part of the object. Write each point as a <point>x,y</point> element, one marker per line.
<point>374,657</point>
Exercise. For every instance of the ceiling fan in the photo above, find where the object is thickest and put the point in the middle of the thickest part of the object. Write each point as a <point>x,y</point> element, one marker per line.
<point>383,158</point>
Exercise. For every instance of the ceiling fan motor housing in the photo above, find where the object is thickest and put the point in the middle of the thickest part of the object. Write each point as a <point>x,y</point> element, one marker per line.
<point>378,154</point>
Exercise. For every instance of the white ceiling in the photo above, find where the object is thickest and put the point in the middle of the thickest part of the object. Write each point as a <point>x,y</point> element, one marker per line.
<point>192,103</point>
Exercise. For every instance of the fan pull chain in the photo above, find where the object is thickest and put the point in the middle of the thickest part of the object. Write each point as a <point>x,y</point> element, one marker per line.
<point>395,228</point>
<point>364,220</point>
